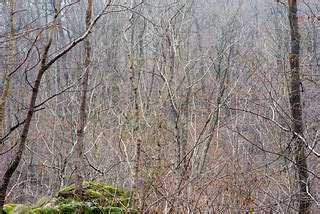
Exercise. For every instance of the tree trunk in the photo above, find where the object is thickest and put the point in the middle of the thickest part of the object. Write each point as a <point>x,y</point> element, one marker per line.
<point>136,128</point>
<point>296,111</point>
<point>83,103</point>
<point>8,73</point>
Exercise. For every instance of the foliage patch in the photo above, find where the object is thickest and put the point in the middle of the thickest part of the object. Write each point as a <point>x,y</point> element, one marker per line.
<point>90,197</point>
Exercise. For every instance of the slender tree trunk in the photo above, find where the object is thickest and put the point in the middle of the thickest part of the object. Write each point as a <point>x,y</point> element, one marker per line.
<point>180,109</point>
<point>136,128</point>
<point>201,68</point>
<point>134,69</point>
<point>8,73</point>
<point>296,111</point>
<point>83,103</point>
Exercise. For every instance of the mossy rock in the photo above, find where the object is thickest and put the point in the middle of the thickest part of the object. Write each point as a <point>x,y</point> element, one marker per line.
<point>44,201</point>
<point>93,194</point>
<point>21,208</point>
<point>68,188</point>
<point>91,197</point>
<point>69,207</point>
<point>106,190</point>
<point>40,210</point>
<point>99,187</point>
<point>8,207</point>
<point>97,192</point>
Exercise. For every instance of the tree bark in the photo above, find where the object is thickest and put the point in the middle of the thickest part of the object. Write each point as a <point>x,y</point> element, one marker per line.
<point>8,73</point>
<point>296,109</point>
<point>83,103</point>
<point>136,128</point>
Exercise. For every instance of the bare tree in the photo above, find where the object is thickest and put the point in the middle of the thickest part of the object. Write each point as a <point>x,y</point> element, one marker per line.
<point>296,110</point>
<point>83,103</point>
<point>45,64</point>
<point>193,106</point>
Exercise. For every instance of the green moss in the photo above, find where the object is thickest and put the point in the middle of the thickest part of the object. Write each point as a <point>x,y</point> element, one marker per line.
<point>92,197</point>
<point>68,188</point>
<point>72,208</point>
<point>43,210</point>
<point>124,201</point>
<point>133,211</point>
<point>93,194</point>
<point>69,208</point>
<point>103,188</point>
<point>8,207</point>
<point>92,209</point>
